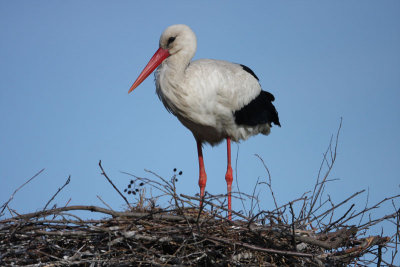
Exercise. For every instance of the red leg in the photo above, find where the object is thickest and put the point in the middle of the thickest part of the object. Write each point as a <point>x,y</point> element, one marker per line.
<point>202,172</point>
<point>229,177</point>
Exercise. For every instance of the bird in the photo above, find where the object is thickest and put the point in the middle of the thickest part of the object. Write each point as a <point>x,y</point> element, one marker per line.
<point>216,100</point>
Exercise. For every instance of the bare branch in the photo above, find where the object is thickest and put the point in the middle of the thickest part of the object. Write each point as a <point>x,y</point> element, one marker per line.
<point>58,191</point>
<point>12,196</point>
<point>269,183</point>
<point>116,189</point>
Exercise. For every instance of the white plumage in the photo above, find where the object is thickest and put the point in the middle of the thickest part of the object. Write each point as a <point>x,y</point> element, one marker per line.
<point>214,99</point>
<point>206,106</point>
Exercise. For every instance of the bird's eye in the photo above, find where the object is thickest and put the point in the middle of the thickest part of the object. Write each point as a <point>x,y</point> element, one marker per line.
<point>170,40</point>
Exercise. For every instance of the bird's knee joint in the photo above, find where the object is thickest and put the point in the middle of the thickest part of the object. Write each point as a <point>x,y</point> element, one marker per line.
<point>229,176</point>
<point>202,180</point>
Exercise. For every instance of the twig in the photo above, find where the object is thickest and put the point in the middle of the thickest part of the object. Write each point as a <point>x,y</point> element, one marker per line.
<point>109,180</point>
<point>58,191</point>
<point>269,184</point>
<point>253,197</point>
<point>102,201</point>
<point>114,214</point>
<point>338,220</point>
<point>268,250</point>
<point>293,227</point>
<point>366,205</point>
<point>316,195</point>
<point>338,205</point>
<point>337,238</point>
<point>378,264</point>
<point>397,235</point>
<point>370,208</point>
<point>237,180</point>
<point>12,196</point>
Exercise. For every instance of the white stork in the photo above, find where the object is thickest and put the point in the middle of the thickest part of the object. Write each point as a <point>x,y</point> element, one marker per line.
<point>214,99</point>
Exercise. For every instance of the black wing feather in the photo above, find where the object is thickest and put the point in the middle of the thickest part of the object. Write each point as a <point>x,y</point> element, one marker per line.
<point>247,69</point>
<point>259,111</point>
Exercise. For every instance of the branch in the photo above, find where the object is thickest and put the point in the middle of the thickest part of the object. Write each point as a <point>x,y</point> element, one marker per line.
<point>58,191</point>
<point>12,196</point>
<point>268,250</point>
<point>109,180</point>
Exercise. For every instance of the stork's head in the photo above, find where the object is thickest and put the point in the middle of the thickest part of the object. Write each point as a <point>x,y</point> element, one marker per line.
<point>176,41</point>
<point>178,38</point>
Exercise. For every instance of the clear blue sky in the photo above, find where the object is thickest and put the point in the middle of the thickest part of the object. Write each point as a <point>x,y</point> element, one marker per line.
<point>66,67</point>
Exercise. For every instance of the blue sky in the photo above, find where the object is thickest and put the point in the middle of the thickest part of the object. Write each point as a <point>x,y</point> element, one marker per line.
<point>66,67</point>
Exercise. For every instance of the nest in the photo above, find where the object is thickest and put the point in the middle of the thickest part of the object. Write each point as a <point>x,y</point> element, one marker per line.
<point>175,237</point>
<point>303,232</point>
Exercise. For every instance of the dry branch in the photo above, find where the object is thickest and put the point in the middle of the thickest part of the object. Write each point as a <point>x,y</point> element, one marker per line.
<point>5,205</point>
<point>58,191</point>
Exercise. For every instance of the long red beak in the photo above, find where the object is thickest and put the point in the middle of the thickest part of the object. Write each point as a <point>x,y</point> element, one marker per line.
<point>156,60</point>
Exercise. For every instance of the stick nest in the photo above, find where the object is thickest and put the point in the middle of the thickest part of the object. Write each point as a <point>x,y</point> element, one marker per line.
<point>304,232</point>
<point>176,237</point>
